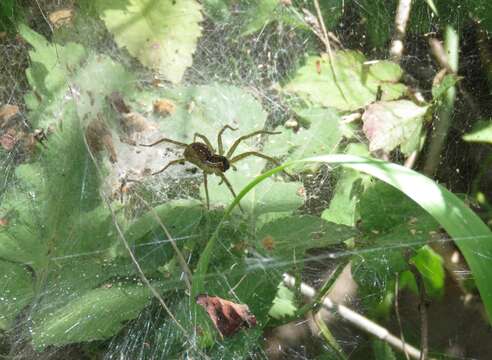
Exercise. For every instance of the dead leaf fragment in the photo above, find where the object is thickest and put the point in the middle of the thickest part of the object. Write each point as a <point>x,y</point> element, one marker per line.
<point>4,222</point>
<point>227,316</point>
<point>99,138</point>
<point>268,243</point>
<point>61,17</point>
<point>9,139</point>
<point>164,107</point>
<point>118,103</point>
<point>7,111</point>
<point>134,122</point>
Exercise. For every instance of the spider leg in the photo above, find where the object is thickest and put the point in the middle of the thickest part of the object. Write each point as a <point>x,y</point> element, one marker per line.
<point>205,183</point>
<point>166,140</point>
<point>224,179</point>
<point>258,154</point>
<point>244,137</point>
<point>219,138</point>
<point>205,140</point>
<point>174,162</point>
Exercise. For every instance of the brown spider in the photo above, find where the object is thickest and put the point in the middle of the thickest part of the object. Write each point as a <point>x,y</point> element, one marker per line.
<point>203,155</point>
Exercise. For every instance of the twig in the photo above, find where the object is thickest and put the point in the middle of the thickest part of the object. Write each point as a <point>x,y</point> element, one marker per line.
<point>444,113</point>
<point>401,20</point>
<point>411,159</point>
<point>424,328</point>
<point>354,318</point>
<point>398,319</point>
<point>181,259</point>
<point>321,22</point>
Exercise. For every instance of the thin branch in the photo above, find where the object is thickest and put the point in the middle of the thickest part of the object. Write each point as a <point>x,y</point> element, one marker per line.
<point>397,312</point>
<point>354,318</point>
<point>445,112</point>
<point>321,22</point>
<point>401,20</point>
<point>424,326</point>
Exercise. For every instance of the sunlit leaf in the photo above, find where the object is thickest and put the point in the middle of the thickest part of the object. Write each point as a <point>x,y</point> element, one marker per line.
<point>283,304</point>
<point>482,132</point>
<point>440,89</point>
<point>388,124</point>
<point>430,266</point>
<point>347,83</point>
<point>350,185</point>
<point>206,110</point>
<point>322,135</point>
<point>162,35</point>
<point>58,73</point>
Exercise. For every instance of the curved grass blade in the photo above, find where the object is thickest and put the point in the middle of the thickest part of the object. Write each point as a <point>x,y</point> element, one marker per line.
<point>469,232</point>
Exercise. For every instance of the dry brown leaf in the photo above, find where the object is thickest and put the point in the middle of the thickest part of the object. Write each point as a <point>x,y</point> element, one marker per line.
<point>227,316</point>
<point>99,138</point>
<point>9,139</point>
<point>164,107</point>
<point>118,103</point>
<point>61,17</point>
<point>268,243</point>
<point>7,112</point>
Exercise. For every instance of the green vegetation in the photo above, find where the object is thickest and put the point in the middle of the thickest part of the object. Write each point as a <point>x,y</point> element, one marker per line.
<point>97,253</point>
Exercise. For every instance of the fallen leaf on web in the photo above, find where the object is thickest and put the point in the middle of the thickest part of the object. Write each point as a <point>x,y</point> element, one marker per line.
<point>228,317</point>
<point>8,139</point>
<point>7,111</point>
<point>164,107</point>
<point>61,17</point>
<point>99,138</point>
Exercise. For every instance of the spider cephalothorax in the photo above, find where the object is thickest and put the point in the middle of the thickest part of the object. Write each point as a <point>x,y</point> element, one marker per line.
<point>203,155</point>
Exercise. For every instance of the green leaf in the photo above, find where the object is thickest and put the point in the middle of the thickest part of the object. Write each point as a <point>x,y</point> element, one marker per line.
<point>91,316</point>
<point>350,185</point>
<point>51,66</point>
<point>323,135</point>
<point>439,90</point>
<point>21,240</point>
<point>260,13</point>
<point>288,238</point>
<point>470,234</point>
<point>388,124</point>
<point>283,304</point>
<point>162,35</point>
<point>378,17</point>
<point>382,351</point>
<point>62,76</point>
<point>482,132</point>
<point>181,218</point>
<point>430,265</point>
<point>382,208</point>
<point>16,289</point>
<point>213,107</point>
<point>347,84</point>
<point>218,10</point>
<point>7,9</point>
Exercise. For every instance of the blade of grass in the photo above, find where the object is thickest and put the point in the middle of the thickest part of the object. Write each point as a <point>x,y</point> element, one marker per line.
<point>469,232</point>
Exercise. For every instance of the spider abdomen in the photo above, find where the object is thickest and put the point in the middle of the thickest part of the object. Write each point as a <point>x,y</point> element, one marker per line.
<point>201,155</point>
